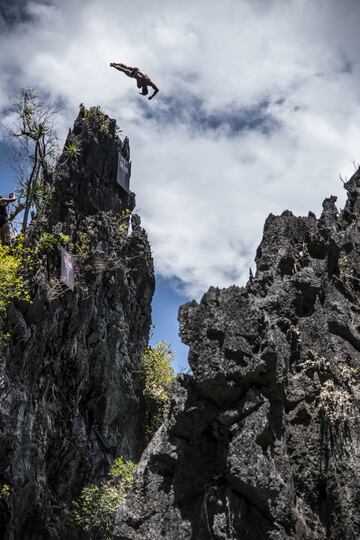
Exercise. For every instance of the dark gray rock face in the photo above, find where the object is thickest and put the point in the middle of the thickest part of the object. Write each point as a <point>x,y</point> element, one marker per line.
<point>71,398</point>
<point>262,442</point>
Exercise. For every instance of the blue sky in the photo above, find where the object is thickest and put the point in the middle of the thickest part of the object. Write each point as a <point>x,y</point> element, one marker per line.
<point>165,311</point>
<point>7,180</point>
<point>258,112</point>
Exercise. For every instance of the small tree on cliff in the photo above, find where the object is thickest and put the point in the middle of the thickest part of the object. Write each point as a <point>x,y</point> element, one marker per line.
<point>33,152</point>
<point>93,513</point>
<point>158,375</point>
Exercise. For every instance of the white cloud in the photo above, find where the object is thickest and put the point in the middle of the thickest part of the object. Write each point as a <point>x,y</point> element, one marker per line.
<point>204,193</point>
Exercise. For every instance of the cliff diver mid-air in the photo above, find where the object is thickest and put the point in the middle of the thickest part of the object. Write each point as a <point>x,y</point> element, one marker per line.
<point>142,80</point>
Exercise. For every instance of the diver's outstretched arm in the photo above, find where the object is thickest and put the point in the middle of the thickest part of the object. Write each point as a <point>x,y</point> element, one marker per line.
<point>9,199</point>
<point>155,89</point>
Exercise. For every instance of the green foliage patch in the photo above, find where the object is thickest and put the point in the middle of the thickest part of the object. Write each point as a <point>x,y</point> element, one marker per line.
<point>83,247</point>
<point>120,223</point>
<point>5,491</point>
<point>18,264</point>
<point>158,375</point>
<point>72,150</point>
<point>157,371</point>
<point>94,511</point>
<point>15,261</point>
<point>49,242</point>
<point>103,120</point>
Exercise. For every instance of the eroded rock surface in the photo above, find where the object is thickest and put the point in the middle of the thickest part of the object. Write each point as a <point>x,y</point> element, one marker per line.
<point>71,398</point>
<point>262,442</point>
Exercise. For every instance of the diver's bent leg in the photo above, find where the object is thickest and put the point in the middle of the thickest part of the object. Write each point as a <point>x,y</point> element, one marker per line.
<point>6,234</point>
<point>127,71</point>
<point>124,68</point>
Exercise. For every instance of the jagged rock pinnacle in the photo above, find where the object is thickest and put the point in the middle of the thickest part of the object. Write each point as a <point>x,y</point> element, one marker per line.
<point>72,397</point>
<point>262,441</point>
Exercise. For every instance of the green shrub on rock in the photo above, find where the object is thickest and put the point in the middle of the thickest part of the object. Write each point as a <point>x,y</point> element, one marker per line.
<point>5,491</point>
<point>157,371</point>
<point>72,150</point>
<point>157,374</point>
<point>51,241</point>
<point>13,266</point>
<point>95,510</point>
<point>95,113</point>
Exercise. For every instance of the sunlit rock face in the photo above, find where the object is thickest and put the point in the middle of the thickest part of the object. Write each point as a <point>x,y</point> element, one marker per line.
<point>71,398</point>
<point>262,441</point>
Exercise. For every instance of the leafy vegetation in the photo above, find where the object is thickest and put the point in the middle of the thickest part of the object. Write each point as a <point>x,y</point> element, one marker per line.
<point>157,370</point>
<point>120,223</point>
<point>158,375</point>
<point>83,247</point>
<point>49,242</point>
<point>124,221</point>
<point>14,263</point>
<point>103,120</point>
<point>5,491</point>
<point>94,512</point>
<point>18,266</point>
<point>34,152</point>
<point>72,150</point>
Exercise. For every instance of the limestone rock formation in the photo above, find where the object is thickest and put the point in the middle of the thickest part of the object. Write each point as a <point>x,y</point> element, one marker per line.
<point>262,442</point>
<point>71,396</point>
